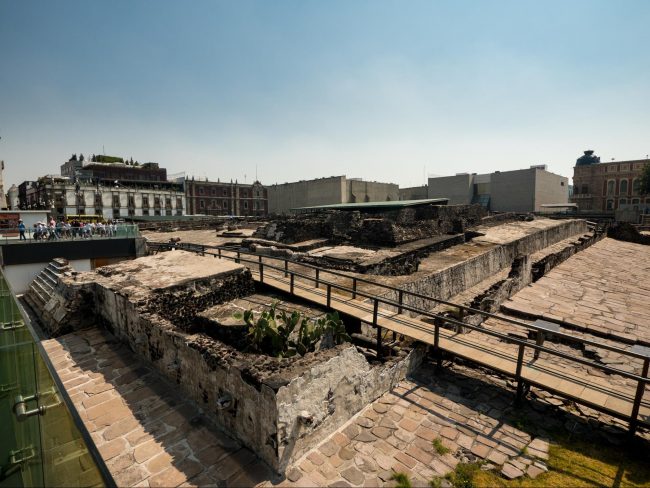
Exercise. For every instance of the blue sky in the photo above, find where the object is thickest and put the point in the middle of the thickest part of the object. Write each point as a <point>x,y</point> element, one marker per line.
<point>382,90</point>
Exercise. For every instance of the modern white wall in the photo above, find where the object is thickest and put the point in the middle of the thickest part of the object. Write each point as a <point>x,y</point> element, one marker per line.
<point>20,276</point>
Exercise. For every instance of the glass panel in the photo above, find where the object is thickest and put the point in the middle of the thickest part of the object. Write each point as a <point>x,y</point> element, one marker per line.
<point>36,450</point>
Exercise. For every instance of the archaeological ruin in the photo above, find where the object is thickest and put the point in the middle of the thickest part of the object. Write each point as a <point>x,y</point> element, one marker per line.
<point>288,333</point>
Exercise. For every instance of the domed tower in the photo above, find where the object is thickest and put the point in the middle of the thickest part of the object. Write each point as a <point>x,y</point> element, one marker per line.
<point>587,158</point>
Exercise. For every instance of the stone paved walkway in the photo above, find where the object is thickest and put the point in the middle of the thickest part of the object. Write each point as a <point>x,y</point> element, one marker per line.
<point>604,289</point>
<point>146,432</point>
<point>399,433</point>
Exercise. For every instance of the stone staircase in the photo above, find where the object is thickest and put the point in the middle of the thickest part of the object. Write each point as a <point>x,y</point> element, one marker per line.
<point>42,290</point>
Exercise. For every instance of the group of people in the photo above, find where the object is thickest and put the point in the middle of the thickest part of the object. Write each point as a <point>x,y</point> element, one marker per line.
<point>63,229</point>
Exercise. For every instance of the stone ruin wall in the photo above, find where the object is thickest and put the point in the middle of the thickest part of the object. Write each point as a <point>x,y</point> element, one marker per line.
<point>280,417</point>
<point>388,228</point>
<point>455,279</point>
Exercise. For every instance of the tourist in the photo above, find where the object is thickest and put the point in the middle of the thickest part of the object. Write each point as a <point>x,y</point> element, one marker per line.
<point>21,229</point>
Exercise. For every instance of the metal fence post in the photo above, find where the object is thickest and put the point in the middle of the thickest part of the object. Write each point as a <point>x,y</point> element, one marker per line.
<point>291,283</point>
<point>436,346</point>
<point>219,253</point>
<point>640,390</point>
<point>261,271</point>
<point>380,352</point>
<point>520,383</point>
<point>401,301</point>
<point>329,295</point>
<point>354,288</point>
<point>317,278</point>
<point>286,268</point>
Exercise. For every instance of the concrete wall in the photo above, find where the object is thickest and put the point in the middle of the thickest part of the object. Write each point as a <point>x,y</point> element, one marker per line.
<point>359,191</point>
<point>550,188</point>
<point>414,193</point>
<point>513,191</point>
<point>525,190</point>
<point>459,189</point>
<point>20,276</point>
<point>322,191</point>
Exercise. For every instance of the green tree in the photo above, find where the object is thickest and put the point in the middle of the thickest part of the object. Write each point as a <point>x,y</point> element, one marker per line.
<point>644,187</point>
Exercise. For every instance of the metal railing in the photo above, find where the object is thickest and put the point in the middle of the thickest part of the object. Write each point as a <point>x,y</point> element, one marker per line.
<point>290,276</point>
<point>13,235</point>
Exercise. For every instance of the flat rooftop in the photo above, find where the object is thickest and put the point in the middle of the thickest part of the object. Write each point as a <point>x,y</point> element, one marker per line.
<point>392,205</point>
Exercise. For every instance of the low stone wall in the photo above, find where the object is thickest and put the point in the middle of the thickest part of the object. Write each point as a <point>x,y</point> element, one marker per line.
<point>544,265</point>
<point>387,228</point>
<point>456,278</point>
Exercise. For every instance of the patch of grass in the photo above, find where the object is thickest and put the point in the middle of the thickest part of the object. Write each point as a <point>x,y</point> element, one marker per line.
<point>402,480</point>
<point>439,446</point>
<point>583,463</point>
<point>435,482</point>
<point>464,474</point>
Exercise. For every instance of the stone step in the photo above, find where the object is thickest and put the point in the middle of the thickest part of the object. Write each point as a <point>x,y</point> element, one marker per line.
<point>50,276</point>
<point>37,296</point>
<point>44,284</point>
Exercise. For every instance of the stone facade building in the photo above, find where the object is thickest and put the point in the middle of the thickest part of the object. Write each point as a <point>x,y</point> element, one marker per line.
<point>221,198</point>
<point>523,190</point>
<point>607,187</point>
<point>63,198</point>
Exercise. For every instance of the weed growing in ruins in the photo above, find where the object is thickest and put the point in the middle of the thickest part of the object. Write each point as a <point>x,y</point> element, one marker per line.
<point>402,480</point>
<point>463,475</point>
<point>439,446</point>
<point>284,335</point>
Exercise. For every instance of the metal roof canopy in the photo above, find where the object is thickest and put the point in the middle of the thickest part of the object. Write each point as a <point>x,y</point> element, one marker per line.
<point>390,205</point>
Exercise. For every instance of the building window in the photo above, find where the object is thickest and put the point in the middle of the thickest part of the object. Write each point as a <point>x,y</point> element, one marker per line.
<point>179,203</point>
<point>131,201</point>
<point>623,189</point>
<point>200,190</point>
<point>246,205</point>
<point>610,205</point>
<point>98,200</point>
<point>156,211</point>
<point>214,204</point>
<point>244,194</point>
<point>168,211</point>
<point>585,189</point>
<point>145,211</point>
<point>201,203</point>
<point>225,204</point>
<point>116,213</point>
<point>635,201</point>
<point>145,201</point>
<point>636,186</point>
<point>611,187</point>
<point>225,192</point>
<point>116,201</point>
<point>131,212</point>
<point>168,202</point>
<point>622,201</point>
<point>98,211</point>
<point>156,202</point>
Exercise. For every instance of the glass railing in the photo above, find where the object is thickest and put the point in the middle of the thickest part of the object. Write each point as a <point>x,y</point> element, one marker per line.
<point>121,231</point>
<point>40,444</point>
